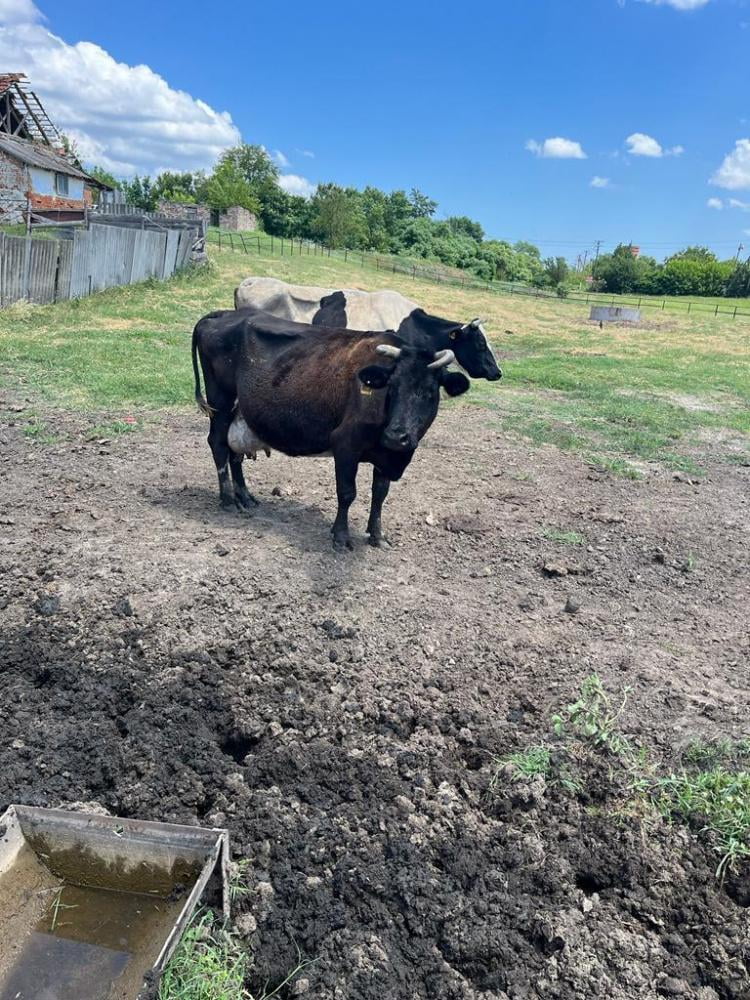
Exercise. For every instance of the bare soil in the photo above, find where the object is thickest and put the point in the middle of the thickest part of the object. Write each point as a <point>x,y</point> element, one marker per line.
<point>341,714</point>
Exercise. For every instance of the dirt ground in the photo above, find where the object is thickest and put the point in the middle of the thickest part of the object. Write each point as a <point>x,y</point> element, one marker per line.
<point>340,713</point>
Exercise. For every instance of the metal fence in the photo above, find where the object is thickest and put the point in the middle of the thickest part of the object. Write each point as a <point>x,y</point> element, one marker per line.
<point>51,270</point>
<point>261,244</point>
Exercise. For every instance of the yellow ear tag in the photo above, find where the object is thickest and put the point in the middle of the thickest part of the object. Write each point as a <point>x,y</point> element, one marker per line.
<point>454,335</point>
<point>365,390</point>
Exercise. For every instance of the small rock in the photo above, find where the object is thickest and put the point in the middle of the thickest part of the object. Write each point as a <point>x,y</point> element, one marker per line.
<point>660,556</point>
<point>123,608</point>
<point>246,924</point>
<point>572,606</point>
<point>221,550</point>
<point>47,604</point>
<point>430,519</point>
<point>300,987</point>
<point>276,491</point>
<point>18,745</point>
<point>672,987</point>
<point>555,569</point>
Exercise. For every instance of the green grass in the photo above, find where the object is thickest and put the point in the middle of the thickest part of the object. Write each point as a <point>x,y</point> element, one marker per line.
<point>564,537</point>
<point>625,400</point>
<point>710,793</point>
<point>717,802</point>
<point>208,965</point>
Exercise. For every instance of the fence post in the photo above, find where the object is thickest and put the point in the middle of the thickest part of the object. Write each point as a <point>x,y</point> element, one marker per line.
<point>346,255</point>
<point>734,314</point>
<point>664,305</point>
<point>689,304</point>
<point>717,309</point>
<point>329,249</point>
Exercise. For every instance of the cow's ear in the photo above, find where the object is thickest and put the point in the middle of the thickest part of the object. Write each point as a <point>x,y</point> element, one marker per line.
<point>455,383</point>
<point>374,376</point>
<point>456,333</point>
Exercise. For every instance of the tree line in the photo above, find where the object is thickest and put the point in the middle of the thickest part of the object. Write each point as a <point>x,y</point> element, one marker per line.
<point>693,271</point>
<point>397,222</point>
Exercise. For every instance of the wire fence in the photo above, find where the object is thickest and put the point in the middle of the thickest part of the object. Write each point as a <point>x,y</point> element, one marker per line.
<point>261,244</point>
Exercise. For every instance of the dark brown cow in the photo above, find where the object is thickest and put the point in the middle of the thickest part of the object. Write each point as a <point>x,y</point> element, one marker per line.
<point>360,397</point>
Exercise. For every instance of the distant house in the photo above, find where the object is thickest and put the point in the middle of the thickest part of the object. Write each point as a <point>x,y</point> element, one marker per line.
<point>37,175</point>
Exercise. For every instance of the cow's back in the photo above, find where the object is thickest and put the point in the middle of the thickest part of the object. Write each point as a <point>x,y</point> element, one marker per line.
<point>294,302</point>
<point>380,310</point>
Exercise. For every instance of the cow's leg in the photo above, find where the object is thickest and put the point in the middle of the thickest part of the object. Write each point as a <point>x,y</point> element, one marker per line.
<point>217,439</point>
<point>346,491</point>
<point>380,486</point>
<point>242,496</point>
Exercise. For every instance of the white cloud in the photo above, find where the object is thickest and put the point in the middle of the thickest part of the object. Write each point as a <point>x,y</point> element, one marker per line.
<point>743,206</point>
<point>680,4</point>
<point>599,182</point>
<point>557,148</point>
<point>734,172</point>
<point>18,12</point>
<point>640,144</point>
<point>308,153</point>
<point>125,118</point>
<point>280,159</point>
<point>294,184</point>
<point>716,203</point>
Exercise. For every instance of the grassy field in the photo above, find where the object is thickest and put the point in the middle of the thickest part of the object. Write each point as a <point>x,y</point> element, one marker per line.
<point>666,392</point>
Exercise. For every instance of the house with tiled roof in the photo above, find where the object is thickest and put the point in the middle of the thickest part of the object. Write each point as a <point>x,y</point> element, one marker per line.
<point>38,177</point>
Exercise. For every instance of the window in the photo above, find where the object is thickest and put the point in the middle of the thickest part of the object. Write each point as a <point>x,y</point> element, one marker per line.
<point>61,184</point>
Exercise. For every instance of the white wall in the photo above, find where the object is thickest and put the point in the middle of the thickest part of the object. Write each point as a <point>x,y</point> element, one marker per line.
<point>43,182</point>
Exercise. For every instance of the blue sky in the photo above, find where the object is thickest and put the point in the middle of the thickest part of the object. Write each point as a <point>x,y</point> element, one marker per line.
<point>458,100</point>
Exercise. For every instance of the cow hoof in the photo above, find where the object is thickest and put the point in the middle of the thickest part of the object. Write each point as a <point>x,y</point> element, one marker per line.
<point>342,545</point>
<point>246,501</point>
<point>378,542</point>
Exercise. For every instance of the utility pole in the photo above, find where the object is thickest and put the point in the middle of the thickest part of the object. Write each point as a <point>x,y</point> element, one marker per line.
<point>598,247</point>
<point>740,248</point>
<point>585,258</point>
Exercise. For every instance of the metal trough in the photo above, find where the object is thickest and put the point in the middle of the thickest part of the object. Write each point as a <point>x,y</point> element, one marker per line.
<point>92,907</point>
<point>615,314</point>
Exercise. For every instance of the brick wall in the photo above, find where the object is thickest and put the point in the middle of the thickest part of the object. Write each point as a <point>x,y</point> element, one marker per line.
<point>237,219</point>
<point>14,186</point>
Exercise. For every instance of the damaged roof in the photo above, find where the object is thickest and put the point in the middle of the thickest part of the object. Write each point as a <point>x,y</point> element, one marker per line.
<point>42,157</point>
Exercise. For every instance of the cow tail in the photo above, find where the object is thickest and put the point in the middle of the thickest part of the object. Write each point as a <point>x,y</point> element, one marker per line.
<point>199,397</point>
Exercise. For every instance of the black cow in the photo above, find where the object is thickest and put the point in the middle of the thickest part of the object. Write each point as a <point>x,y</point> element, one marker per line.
<point>317,392</point>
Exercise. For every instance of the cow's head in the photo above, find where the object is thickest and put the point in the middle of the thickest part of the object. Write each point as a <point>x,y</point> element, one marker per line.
<point>473,351</point>
<point>413,385</point>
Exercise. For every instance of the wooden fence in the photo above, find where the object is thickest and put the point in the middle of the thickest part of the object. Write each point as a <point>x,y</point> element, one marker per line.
<point>102,256</point>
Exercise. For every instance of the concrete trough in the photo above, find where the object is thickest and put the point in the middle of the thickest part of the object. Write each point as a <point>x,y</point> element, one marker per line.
<point>615,314</point>
<point>92,907</point>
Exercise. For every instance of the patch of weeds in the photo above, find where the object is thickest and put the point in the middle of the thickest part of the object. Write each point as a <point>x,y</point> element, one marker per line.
<point>716,802</point>
<point>564,537</point>
<point>594,719</point>
<point>207,965</point>
<point>617,466</point>
<point>534,762</point>
<point>689,564</point>
<point>737,458</point>
<point>710,753</point>
<point>238,887</point>
<point>39,431</point>
<point>113,428</point>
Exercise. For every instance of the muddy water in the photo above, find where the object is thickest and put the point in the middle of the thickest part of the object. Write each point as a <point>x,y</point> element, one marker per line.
<point>68,942</point>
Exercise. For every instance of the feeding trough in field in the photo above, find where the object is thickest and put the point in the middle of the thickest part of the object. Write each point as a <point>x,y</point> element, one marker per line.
<point>615,314</point>
<point>93,906</point>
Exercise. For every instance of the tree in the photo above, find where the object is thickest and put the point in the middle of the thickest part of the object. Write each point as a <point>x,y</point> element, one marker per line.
<point>227,186</point>
<point>140,192</point>
<point>338,216</point>
<point>179,187</point>
<point>105,177</point>
<point>253,163</point>
<point>462,225</point>
<point>422,207</point>
<point>701,254</point>
<point>738,285</point>
<point>527,248</point>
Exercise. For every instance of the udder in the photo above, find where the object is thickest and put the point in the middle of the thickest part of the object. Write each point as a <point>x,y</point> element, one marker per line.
<point>243,441</point>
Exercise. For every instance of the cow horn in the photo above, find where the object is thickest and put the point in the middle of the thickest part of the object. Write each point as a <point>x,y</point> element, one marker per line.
<point>442,358</point>
<point>476,322</point>
<point>388,350</point>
